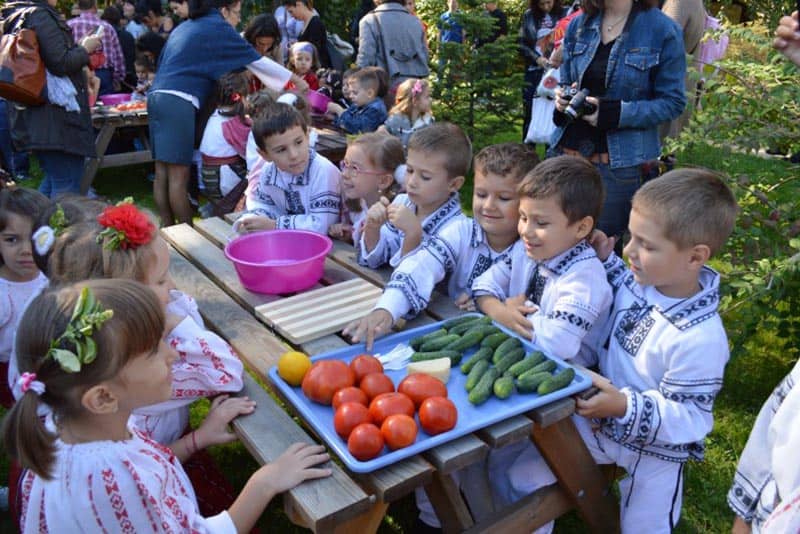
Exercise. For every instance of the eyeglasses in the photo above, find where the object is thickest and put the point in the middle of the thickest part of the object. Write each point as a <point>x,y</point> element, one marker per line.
<point>347,166</point>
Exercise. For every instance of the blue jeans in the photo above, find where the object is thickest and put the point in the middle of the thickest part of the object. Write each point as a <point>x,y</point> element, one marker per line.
<point>620,184</point>
<point>62,172</point>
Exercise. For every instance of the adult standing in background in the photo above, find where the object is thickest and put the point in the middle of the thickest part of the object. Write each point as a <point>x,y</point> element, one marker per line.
<point>127,44</point>
<point>500,23</point>
<point>151,14</point>
<point>263,33</point>
<point>313,28</point>
<point>134,25</point>
<point>629,57</point>
<point>195,56</point>
<point>365,7</point>
<point>393,39</point>
<point>290,28</point>
<point>112,71</point>
<point>61,139</point>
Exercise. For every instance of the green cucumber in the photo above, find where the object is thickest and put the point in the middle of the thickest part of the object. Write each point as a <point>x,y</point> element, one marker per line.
<point>463,327</point>
<point>525,365</point>
<point>547,366</point>
<point>417,342</point>
<point>494,340</point>
<point>558,381</point>
<point>503,387</point>
<point>450,323</point>
<point>438,343</point>
<point>529,382</point>
<point>483,353</point>
<point>466,341</point>
<point>483,389</point>
<point>510,358</point>
<point>475,374</point>
<point>455,357</point>
<point>505,346</point>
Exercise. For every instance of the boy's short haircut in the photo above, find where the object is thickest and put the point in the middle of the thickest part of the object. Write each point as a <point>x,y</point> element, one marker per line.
<point>693,205</point>
<point>574,180</point>
<point>509,160</point>
<point>368,79</point>
<point>276,119</point>
<point>445,138</point>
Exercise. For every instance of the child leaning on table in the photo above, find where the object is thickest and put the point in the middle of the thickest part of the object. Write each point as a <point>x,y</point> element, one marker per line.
<point>367,110</point>
<point>463,249</point>
<point>554,289</point>
<point>297,187</point>
<point>667,348</point>
<point>439,157</point>
<point>87,469</point>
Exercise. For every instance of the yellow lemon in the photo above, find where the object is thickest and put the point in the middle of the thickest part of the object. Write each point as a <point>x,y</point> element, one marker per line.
<point>292,367</point>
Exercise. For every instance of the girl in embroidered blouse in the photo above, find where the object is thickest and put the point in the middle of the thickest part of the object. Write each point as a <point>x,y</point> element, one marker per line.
<point>370,170</point>
<point>304,62</point>
<point>411,111</point>
<point>87,468</point>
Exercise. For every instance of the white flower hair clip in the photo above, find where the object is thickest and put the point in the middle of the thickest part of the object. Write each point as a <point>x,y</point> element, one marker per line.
<point>45,236</point>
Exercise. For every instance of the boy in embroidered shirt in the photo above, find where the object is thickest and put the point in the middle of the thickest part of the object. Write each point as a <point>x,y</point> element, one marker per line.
<point>367,111</point>
<point>666,350</point>
<point>463,249</point>
<point>439,157</point>
<point>297,188</point>
<point>554,291</point>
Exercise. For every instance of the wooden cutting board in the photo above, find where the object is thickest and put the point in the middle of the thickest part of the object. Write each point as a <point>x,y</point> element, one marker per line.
<point>319,312</point>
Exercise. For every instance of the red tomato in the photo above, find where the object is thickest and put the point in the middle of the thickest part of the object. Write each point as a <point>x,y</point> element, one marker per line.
<point>365,442</point>
<point>399,430</point>
<point>419,386</point>
<point>350,394</point>
<point>364,364</point>
<point>436,415</point>
<point>348,416</point>
<point>375,384</point>
<point>326,378</point>
<point>388,404</point>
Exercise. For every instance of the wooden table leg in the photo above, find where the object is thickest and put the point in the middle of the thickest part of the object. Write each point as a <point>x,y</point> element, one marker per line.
<point>579,476</point>
<point>366,523</point>
<point>101,145</point>
<point>450,507</point>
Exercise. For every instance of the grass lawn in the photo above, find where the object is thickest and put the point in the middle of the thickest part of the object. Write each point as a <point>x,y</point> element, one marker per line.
<point>750,378</point>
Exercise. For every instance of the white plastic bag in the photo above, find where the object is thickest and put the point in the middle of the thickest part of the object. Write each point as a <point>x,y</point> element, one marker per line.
<point>541,127</point>
<point>548,83</point>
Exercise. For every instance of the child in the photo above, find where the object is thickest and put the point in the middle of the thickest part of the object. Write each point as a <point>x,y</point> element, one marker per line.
<point>303,62</point>
<point>438,159</point>
<point>767,474</point>
<point>87,470</point>
<point>369,171</point>
<point>224,145</point>
<point>411,111</point>
<point>367,111</point>
<point>20,279</point>
<point>464,248</point>
<point>667,347</point>
<point>145,74</point>
<point>330,84</point>
<point>297,188</point>
<point>555,290</point>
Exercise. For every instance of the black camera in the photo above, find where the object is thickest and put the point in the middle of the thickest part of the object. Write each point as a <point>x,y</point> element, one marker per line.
<point>578,106</point>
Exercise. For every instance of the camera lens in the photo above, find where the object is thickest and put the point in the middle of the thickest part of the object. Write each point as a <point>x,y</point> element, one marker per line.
<point>575,108</point>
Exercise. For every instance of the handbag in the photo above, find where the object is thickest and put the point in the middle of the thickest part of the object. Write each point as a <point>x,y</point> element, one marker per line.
<point>541,127</point>
<point>22,72</point>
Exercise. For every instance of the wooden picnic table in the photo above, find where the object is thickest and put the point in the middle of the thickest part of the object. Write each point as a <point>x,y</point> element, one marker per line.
<point>352,500</point>
<point>331,141</point>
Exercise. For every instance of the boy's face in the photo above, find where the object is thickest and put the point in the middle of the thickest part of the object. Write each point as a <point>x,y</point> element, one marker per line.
<point>428,183</point>
<point>656,261</point>
<point>545,229</point>
<point>495,205</point>
<point>141,73</point>
<point>360,95</point>
<point>288,150</point>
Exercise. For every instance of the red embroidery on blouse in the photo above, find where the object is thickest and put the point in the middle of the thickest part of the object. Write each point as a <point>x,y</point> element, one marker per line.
<point>27,486</point>
<point>216,361</point>
<point>116,500</point>
<point>148,501</point>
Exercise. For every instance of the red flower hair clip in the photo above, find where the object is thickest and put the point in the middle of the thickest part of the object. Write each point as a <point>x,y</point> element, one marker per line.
<point>236,97</point>
<point>126,226</point>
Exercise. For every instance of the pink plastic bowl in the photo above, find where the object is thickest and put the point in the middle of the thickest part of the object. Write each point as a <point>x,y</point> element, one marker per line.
<point>318,101</point>
<point>114,99</point>
<point>279,261</point>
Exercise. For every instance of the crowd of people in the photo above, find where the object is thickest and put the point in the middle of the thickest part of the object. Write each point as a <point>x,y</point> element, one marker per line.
<point>103,356</point>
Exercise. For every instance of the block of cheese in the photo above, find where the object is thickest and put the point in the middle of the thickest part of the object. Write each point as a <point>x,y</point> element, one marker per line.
<point>438,368</point>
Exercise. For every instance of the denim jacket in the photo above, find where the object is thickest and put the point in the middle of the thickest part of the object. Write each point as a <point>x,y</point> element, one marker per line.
<point>646,72</point>
<point>362,119</point>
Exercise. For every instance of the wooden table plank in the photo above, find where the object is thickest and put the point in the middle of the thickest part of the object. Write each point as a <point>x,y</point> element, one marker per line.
<point>506,432</point>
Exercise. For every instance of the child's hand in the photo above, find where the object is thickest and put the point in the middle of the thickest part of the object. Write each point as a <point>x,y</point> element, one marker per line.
<point>376,214</point>
<point>376,324</point>
<point>335,109</point>
<point>254,224</point>
<point>341,231</point>
<point>293,467</point>
<point>465,302</point>
<point>514,315</point>
<point>224,409</point>
<point>602,244</point>
<point>404,219</point>
<point>608,402</point>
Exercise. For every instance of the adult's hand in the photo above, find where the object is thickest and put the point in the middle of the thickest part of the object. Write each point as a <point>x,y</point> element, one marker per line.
<point>787,38</point>
<point>90,43</point>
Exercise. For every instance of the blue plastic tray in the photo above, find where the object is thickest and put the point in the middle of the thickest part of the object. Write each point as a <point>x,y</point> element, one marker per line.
<point>470,418</point>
